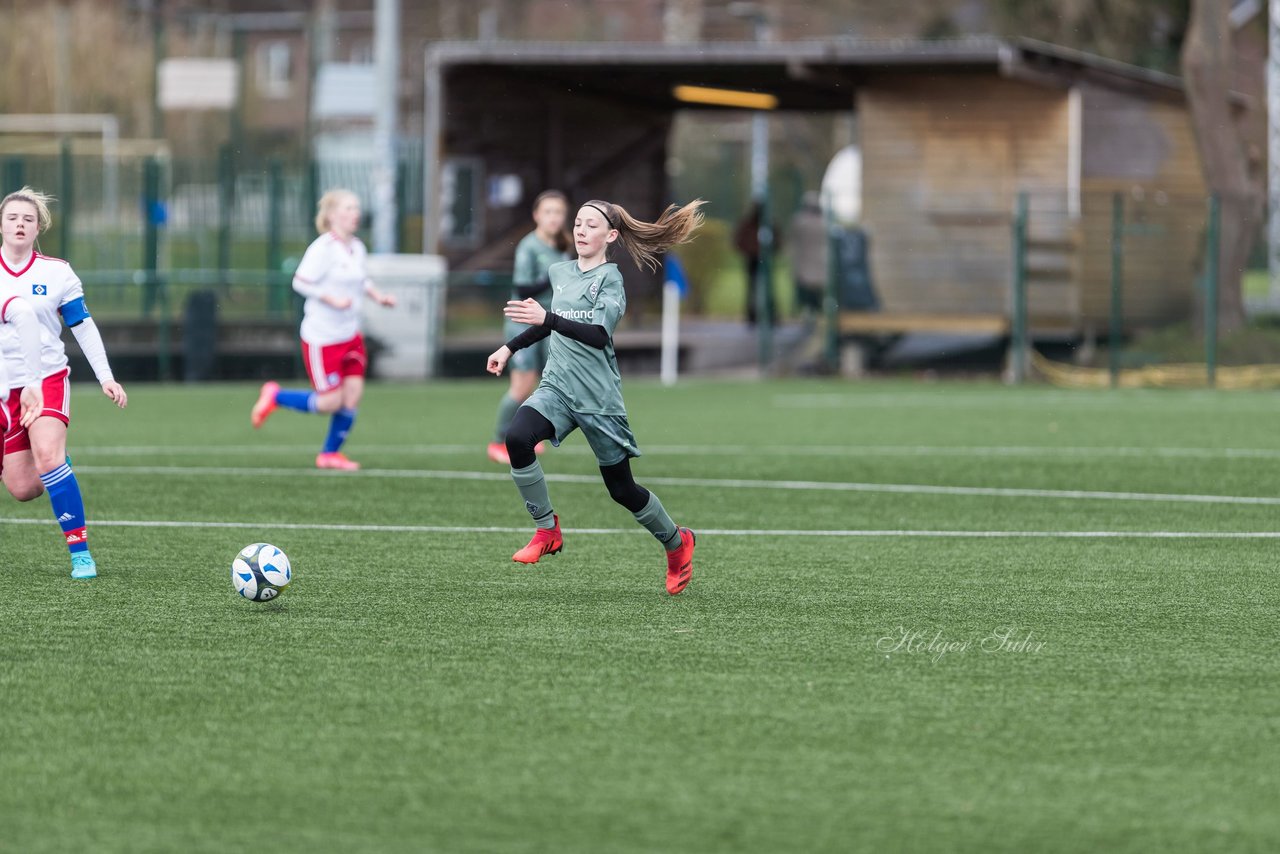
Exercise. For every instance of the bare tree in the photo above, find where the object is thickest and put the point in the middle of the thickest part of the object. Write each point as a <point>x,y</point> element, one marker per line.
<point>1143,32</point>
<point>1232,166</point>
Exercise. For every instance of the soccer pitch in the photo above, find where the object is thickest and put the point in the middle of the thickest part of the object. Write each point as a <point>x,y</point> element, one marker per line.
<point>922,618</point>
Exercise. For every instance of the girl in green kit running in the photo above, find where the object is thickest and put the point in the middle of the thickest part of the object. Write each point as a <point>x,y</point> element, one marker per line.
<point>547,244</point>
<point>581,388</point>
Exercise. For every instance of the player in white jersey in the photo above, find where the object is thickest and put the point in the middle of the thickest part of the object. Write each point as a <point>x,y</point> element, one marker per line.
<point>35,454</point>
<point>17,314</point>
<point>332,277</point>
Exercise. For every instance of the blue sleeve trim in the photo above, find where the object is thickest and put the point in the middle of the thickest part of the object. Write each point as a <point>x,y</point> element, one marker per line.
<point>74,312</point>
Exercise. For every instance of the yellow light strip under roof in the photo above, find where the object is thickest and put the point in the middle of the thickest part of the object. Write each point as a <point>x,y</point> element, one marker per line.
<point>725,97</point>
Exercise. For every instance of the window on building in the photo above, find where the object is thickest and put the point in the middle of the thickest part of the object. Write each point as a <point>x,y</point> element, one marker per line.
<point>274,66</point>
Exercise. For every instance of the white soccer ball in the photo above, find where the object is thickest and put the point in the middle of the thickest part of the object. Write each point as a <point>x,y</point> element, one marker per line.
<point>261,572</point>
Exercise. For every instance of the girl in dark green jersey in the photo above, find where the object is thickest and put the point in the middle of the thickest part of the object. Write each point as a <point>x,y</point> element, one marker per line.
<point>547,244</point>
<point>581,388</point>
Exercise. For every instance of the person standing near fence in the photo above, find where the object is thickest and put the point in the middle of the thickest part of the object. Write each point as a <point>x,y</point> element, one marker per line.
<point>809,251</point>
<point>332,277</point>
<point>547,244</point>
<point>581,388</point>
<point>35,453</point>
<point>746,239</point>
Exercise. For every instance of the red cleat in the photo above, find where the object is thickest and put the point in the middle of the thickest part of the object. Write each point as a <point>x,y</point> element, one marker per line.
<point>266,404</point>
<point>546,541</point>
<point>498,453</point>
<point>336,460</point>
<point>680,563</point>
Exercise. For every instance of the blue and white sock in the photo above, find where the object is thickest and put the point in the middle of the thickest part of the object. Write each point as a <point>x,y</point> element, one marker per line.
<point>339,427</point>
<point>68,506</point>
<point>302,401</point>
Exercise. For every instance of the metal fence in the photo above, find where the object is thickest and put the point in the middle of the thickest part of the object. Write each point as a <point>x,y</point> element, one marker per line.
<point>145,230</point>
<point>1122,264</point>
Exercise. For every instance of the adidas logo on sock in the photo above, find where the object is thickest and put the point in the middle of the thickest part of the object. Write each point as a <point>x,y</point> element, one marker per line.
<point>65,517</point>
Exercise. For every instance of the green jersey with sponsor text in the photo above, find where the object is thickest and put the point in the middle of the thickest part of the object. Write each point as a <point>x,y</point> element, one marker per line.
<point>586,377</point>
<point>533,257</point>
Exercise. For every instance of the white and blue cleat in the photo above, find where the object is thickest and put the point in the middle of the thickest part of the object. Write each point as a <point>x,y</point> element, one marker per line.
<point>83,566</point>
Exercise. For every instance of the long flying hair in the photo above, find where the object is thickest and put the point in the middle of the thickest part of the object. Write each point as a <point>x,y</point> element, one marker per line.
<point>644,241</point>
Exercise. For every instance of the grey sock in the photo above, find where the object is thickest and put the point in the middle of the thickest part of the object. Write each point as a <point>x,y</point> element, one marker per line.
<point>533,489</point>
<point>653,516</point>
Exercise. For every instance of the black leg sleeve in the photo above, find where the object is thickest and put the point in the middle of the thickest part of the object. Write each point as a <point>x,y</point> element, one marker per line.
<point>623,487</point>
<point>528,428</point>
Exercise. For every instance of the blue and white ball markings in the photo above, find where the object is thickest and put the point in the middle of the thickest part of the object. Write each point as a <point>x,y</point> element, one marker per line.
<point>261,572</point>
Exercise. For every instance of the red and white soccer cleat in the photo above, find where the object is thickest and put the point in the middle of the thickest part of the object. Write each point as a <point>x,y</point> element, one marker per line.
<point>546,541</point>
<point>498,453</point>
<point>266,404</point>
<point>336,460</point>
<point>680,563</point>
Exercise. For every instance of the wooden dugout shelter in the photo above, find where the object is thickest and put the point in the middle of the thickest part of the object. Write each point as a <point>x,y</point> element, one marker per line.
<point>951,133</point>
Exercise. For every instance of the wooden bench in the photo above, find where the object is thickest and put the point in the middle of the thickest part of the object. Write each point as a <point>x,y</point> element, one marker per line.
<point>900,323</point>
<point>250,348</point>
<point>864,333</point>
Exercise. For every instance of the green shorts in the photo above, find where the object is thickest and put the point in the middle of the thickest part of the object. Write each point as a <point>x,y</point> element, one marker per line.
<point>531,358</point>
<point>609,436</point>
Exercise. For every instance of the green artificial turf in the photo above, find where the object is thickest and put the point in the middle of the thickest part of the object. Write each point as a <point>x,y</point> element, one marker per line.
<point>413,690</point>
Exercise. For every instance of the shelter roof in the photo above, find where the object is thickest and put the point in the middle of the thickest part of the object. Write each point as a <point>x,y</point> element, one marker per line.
<point>803,75</point>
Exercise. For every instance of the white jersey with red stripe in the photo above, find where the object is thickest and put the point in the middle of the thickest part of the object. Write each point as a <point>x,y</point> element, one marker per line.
<point>5,302</point>
<point>48,285</point>
<point>331,267</point>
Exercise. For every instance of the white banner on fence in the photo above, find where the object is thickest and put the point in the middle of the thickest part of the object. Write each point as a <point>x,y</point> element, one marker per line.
<point>409,336</point>
<point>197,84</point>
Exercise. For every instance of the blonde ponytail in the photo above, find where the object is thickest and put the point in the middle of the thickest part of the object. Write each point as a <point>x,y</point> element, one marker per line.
<point>645,240</point>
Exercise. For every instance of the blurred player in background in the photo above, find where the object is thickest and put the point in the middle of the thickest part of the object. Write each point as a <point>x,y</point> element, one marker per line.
<point>332,277</point>
<point>547,244</point>
<point>581,388</point>
<point>35,451</point>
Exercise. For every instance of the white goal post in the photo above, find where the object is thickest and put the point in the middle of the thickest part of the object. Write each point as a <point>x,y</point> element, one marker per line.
<point>105,125</point>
